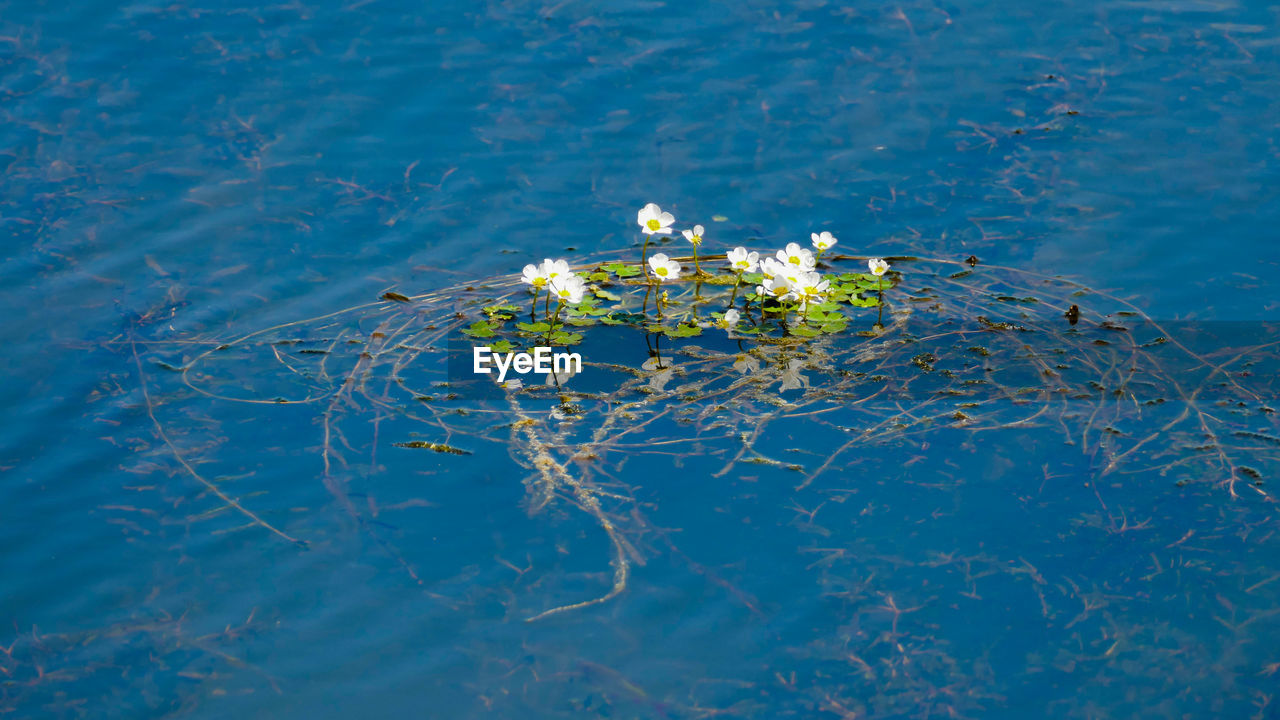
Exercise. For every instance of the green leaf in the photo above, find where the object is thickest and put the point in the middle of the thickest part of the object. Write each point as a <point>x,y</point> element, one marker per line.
<point>606,295</point>
<point>630,318</point>
<point>622,270</point>
<point>502,346</point>
<point>804,331</point>
<point>479,329</point>
<point>598,277</point>
<point>536,327</point>
<point>564,338</point>
<point>681,331</point>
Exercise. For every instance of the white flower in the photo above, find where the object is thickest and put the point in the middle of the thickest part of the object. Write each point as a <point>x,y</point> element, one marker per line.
<point>795,255</point>
<point>664,268</point>
<point>777,286</point>
<point>731,317</point>
<point>742,261</point>
<point>552,269</point>
<point>695,235</point>
<point>775,270</point>
<point>772,268</point>
<point>653,220</point>
<point>878,266</point>
<point>568,288</point>
<point>823,242</point>
<point>811,288</point>
<point>534,276</point>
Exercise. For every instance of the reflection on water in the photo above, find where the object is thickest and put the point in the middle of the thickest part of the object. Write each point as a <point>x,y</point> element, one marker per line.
<point>237,482</point>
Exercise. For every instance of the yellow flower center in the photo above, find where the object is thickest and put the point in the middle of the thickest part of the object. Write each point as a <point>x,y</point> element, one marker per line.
<point>653,225</point>
<point>662,271</point>
<point>695,239</point>
<point>794,259</point>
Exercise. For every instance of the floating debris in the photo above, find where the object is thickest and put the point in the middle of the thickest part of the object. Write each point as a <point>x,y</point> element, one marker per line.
<point>436,447</point>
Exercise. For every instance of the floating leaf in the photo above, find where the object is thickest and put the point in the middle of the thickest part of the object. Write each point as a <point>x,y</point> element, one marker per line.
<point>681,331</point>
<point>479,329</point>
<point>565,338</point>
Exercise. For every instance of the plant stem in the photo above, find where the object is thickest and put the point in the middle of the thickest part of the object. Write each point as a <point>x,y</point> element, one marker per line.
<point>643,248</point>
<point>553,319</point>
<point>736,285</point>
<point>880,316</point>
<point>533,311</point>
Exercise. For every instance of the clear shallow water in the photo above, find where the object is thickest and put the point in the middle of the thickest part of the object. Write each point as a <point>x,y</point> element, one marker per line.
<point>198,172</point>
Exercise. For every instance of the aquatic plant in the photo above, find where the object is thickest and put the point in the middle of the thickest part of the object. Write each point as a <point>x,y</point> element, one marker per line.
<point>787,284</point>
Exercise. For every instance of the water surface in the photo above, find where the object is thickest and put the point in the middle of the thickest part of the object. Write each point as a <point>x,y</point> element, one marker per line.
<point>176,176</point>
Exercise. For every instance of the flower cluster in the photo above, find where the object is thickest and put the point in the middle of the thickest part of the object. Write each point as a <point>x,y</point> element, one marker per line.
<point>791,275</point>
<point>785,282</point>
<point>555,277</point>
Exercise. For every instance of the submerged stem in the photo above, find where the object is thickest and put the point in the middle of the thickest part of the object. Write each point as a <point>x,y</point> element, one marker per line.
<point>880,316</point>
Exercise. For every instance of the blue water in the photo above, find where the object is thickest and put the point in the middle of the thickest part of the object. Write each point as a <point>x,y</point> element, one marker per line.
<point>176,175</point>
